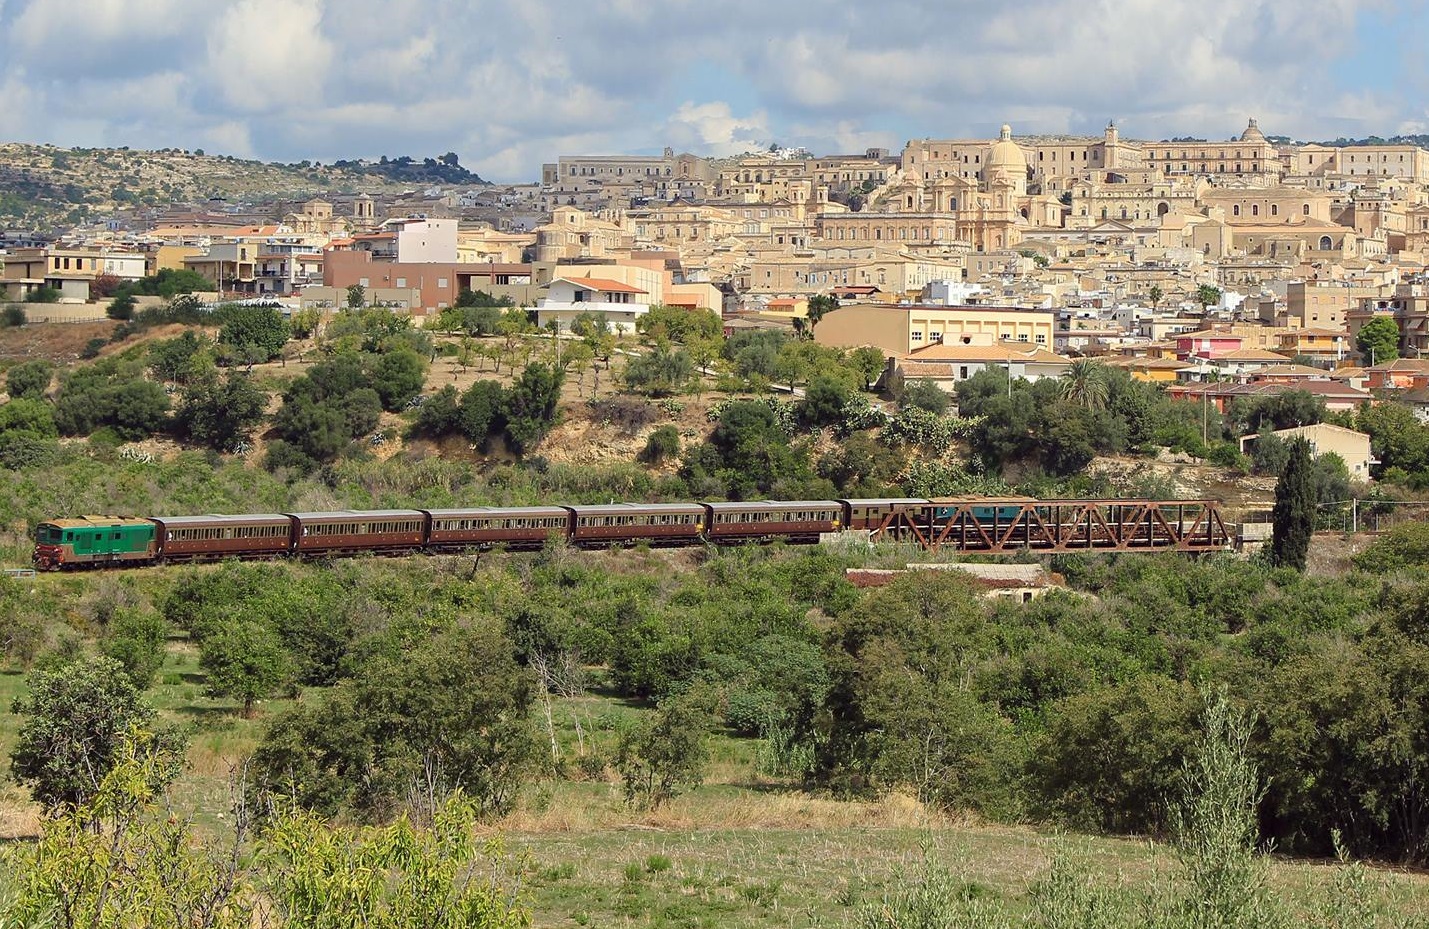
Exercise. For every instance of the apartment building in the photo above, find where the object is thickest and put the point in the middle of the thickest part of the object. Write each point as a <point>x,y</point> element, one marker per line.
<point>900,329</point>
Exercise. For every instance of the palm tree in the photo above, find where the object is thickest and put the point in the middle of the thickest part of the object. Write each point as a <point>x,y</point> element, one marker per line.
<point>1086,384</point>
<point>819,306</point>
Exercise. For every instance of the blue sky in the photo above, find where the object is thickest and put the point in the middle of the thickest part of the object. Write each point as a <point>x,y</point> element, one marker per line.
<point>509,84</point>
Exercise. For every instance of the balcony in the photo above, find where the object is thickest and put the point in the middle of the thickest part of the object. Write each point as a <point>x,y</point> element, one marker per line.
<point>620,316</point>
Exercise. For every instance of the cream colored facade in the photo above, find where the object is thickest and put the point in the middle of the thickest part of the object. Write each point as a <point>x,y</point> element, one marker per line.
<point>574,233</point>
<point>1251,158</point>
<point>487,244</point>
<point>1047,159</point>
<point>1407,162</point>
<point>896,275</point>
<point>679,224</point>
<point>898,330</point>
<point>616,180</point>
<point>1352,447</point>
<point>1321,305</point>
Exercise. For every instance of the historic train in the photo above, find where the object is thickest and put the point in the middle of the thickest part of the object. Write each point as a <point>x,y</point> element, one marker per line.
<point>991,524</point>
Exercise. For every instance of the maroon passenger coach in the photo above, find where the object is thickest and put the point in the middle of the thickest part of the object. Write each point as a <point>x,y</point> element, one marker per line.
<point>485,526</point>
<point>379,532</point>
<point>661,523</point>
<point>789,519</point>
<point>206,538</point>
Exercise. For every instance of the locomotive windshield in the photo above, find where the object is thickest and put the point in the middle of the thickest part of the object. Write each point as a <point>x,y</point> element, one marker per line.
<point>46,533</point>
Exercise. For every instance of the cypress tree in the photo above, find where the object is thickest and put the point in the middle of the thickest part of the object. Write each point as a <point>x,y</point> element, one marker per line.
<point>1294,513</point>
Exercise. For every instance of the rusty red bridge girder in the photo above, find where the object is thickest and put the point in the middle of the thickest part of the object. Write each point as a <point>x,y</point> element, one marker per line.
<point>1007,526</point>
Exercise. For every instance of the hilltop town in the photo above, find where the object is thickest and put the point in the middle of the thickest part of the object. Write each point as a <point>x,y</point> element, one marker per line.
<point>1205,265</point>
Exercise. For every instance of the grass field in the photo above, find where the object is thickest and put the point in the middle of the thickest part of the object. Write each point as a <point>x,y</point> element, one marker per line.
<point>739,851</point>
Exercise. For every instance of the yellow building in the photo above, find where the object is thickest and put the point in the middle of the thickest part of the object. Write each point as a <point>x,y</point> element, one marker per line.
<point>900,329</point>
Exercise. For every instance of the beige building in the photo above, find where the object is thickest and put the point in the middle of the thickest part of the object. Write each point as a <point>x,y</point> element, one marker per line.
<point>1046,159</point>
<point>900,329</point>
<point>1250,158</point>
<point>1352,447</point>
<point>1320,304</point>
<point>594,181</point>
<point>1407,162</point>
<point>574,233</point>
<point>68,270</point>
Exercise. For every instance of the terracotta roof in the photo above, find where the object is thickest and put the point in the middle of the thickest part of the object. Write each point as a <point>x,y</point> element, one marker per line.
<point>1253,354</point>
<point>601,284</point>
<point>1001,353</point>
<point>1293,370</point>
<point>1168,364</point>
<point>1314,332</point>
<point>1400,365</point>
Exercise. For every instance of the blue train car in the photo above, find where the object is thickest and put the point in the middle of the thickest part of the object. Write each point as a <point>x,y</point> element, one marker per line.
<point>988,510</point>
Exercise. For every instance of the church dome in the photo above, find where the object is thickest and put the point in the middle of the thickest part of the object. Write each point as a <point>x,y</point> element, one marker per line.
<point>1005,157</point>
<point>1252,132</point>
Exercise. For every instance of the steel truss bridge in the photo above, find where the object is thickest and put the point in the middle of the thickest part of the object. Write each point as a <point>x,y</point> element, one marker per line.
<point>1008,527</point>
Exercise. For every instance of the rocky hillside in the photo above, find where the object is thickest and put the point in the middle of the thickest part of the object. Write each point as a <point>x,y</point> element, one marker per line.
<point>43,186</point>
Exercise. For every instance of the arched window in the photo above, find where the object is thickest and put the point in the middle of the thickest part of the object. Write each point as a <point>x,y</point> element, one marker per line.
<point>1255,209</point>
<point>1275,209</point>
<point>1235,210</point>
<point>1305,208</point>
<point>1325,243</point>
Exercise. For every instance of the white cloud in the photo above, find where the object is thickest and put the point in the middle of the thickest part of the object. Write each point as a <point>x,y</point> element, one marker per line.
<point>265,55</point>
<point>508,84</point>
<point>711,129</point>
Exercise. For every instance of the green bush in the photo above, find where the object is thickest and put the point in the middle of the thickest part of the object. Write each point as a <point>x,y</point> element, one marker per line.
<point>663,445</point>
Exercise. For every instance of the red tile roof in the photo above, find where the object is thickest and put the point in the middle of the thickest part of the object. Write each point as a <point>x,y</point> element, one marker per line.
<point>602,285</point>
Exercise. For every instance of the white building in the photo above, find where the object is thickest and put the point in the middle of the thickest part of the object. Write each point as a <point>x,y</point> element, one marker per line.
<point>568,297</point>
<point>425,240</point>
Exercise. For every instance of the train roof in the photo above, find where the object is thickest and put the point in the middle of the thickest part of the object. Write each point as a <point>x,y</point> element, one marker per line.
<point>886,501</point>
<point>980,501</point>
<point>350,515</point>
<point>625,509</point>
<point>764,505</point>
<point>222,519</point>
<point>481,511</point>
<point>96,522</point>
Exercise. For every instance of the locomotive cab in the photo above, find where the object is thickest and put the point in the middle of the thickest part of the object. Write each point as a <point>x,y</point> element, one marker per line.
<point>93,541</point>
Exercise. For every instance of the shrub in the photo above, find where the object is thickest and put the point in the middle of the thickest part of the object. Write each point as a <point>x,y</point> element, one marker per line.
<point>29,379</point>
<point>1405,546</point>
<point>665,754</point>
<point>121,307</point>
<point>13,316</point>
<point>925,395</point>
<point>254,333</point>
<point>663,445</point>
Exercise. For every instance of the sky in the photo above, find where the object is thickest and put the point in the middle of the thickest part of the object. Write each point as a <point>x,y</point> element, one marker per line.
<point>510,84</point>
